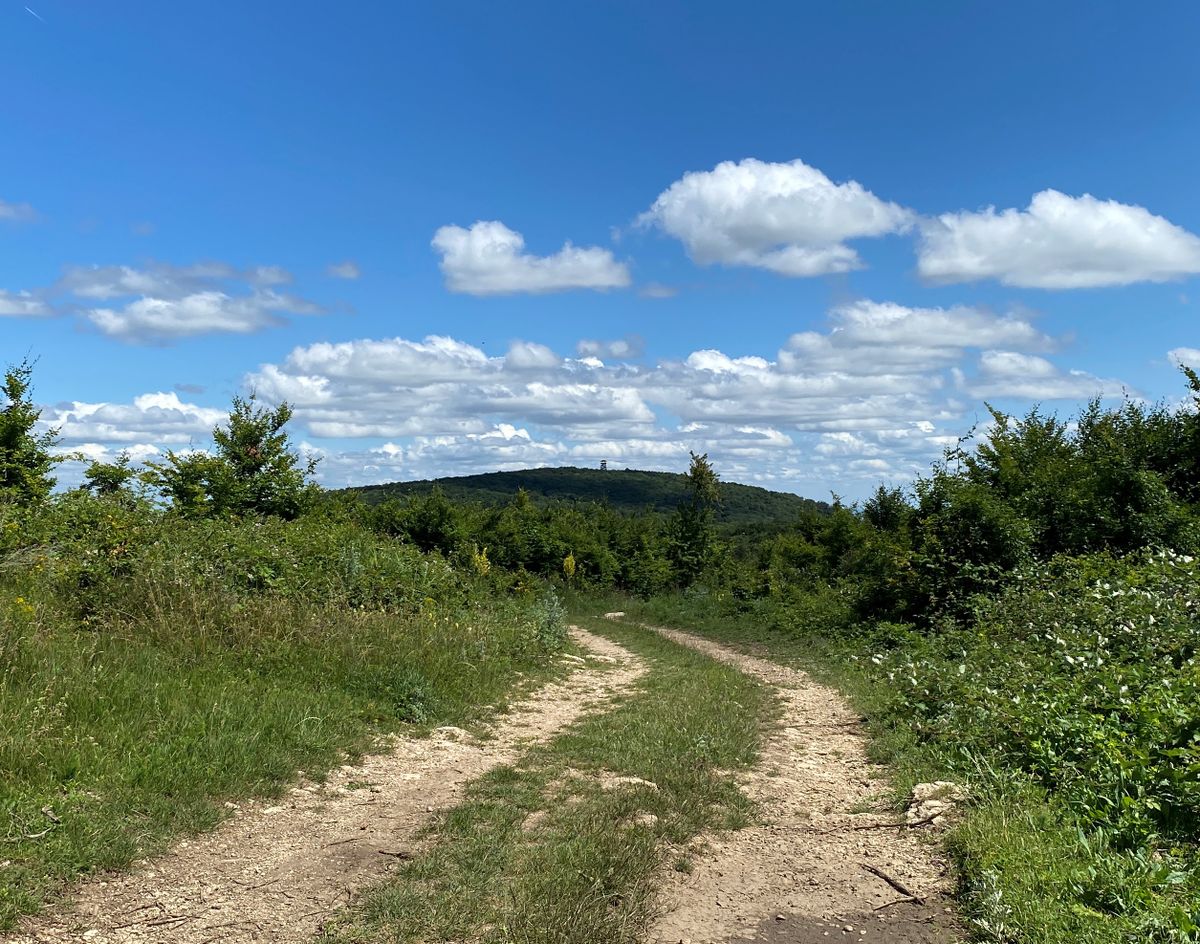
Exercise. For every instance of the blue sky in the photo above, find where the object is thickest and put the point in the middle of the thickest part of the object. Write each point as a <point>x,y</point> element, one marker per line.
<point>783,248</point>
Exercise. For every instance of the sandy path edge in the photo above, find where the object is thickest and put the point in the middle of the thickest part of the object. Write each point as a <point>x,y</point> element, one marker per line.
<point>798,876</point>
<point>276,872</point>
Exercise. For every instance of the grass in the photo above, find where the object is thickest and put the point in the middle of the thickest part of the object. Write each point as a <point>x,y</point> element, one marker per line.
<point>540,851</point>
<point>133,730</point>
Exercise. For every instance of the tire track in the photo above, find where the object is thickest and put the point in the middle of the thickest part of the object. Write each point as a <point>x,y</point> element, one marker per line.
<point>276,872</point>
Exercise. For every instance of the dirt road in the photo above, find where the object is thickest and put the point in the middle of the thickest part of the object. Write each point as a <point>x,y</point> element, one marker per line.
<point>274,872</point>
<point>821,864</point>
<point>809,871</point>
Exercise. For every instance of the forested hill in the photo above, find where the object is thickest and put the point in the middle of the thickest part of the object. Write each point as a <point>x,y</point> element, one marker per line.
<point>625,490</point>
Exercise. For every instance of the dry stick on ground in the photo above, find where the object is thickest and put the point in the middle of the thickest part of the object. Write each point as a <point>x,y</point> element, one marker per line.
<point>913,825</point>
<point>895,883</point>
<point>895,901</point>
<point>155,923</point>
<point>33,835</point>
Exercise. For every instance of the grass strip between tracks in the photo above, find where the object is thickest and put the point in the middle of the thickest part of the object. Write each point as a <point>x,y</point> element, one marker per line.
<point>564,845</point>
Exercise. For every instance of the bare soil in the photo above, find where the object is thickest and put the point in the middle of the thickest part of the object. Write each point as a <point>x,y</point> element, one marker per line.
<point>276,871</point>
<point>803,873</point>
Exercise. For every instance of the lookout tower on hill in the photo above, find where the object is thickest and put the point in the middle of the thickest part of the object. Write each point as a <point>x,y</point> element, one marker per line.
<point>603,465</point>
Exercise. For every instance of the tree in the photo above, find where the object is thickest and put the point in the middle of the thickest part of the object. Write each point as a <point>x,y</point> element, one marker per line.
<point>25,457</point>
<point>252,470</point>
<point>887,509</point>
<point>691,536</point>
<point>109,478</point>
<point>430,521</point>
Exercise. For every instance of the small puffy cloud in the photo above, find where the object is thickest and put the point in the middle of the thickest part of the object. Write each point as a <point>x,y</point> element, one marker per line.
<point>441,386</point>
<point>159,279</point>
<point>387,361</point>
<point>788,218</point>
<point>161,320</point>
<point>871,338</point>
<point>846,444</point>
<point>344,270</point>
<point>622,349</point>
<point>1025,376</point>
<point>1185,357</point>
<point>17,212</point>
<point>527,355</point>
<point>163,303</point>
<point>268,275</point>
<point>22,305</point>
<point>1057,242</point>
<point>490,259</point>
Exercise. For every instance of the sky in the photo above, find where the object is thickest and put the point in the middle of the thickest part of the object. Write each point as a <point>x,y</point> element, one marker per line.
<point>811,241</point>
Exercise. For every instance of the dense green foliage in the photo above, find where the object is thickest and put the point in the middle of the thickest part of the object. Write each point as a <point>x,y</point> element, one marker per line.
<point>629,491</point>
<point>691,546</point>
<point>1081,675</point>
<point>594,546</point>
<point>251,470</point>
<point>26,456</point>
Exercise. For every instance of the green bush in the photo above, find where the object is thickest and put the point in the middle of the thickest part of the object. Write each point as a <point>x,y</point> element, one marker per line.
<point>1080,680</point>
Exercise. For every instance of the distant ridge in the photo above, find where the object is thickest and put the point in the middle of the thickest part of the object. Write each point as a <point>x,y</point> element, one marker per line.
<point>627,490</point>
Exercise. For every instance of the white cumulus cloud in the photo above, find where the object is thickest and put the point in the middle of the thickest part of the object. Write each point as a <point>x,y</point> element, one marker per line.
<point>160,303</point>
<point>156,279</point>
<point>159,320</point>
<point>871,338</point>
<point>621,349</point>
<point>344,270</point>
<point>1026,376</point>
<point>1057,242</point>
<point>788,218</point>
<point>22,305</point>
<point>876,394</point>
<point>1185,357</point>
<point>490,259</point>
<point>153,418</point>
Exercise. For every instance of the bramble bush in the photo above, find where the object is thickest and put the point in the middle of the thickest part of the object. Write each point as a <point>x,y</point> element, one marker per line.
<point>1083,673</point>
<point>1082,676</point>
